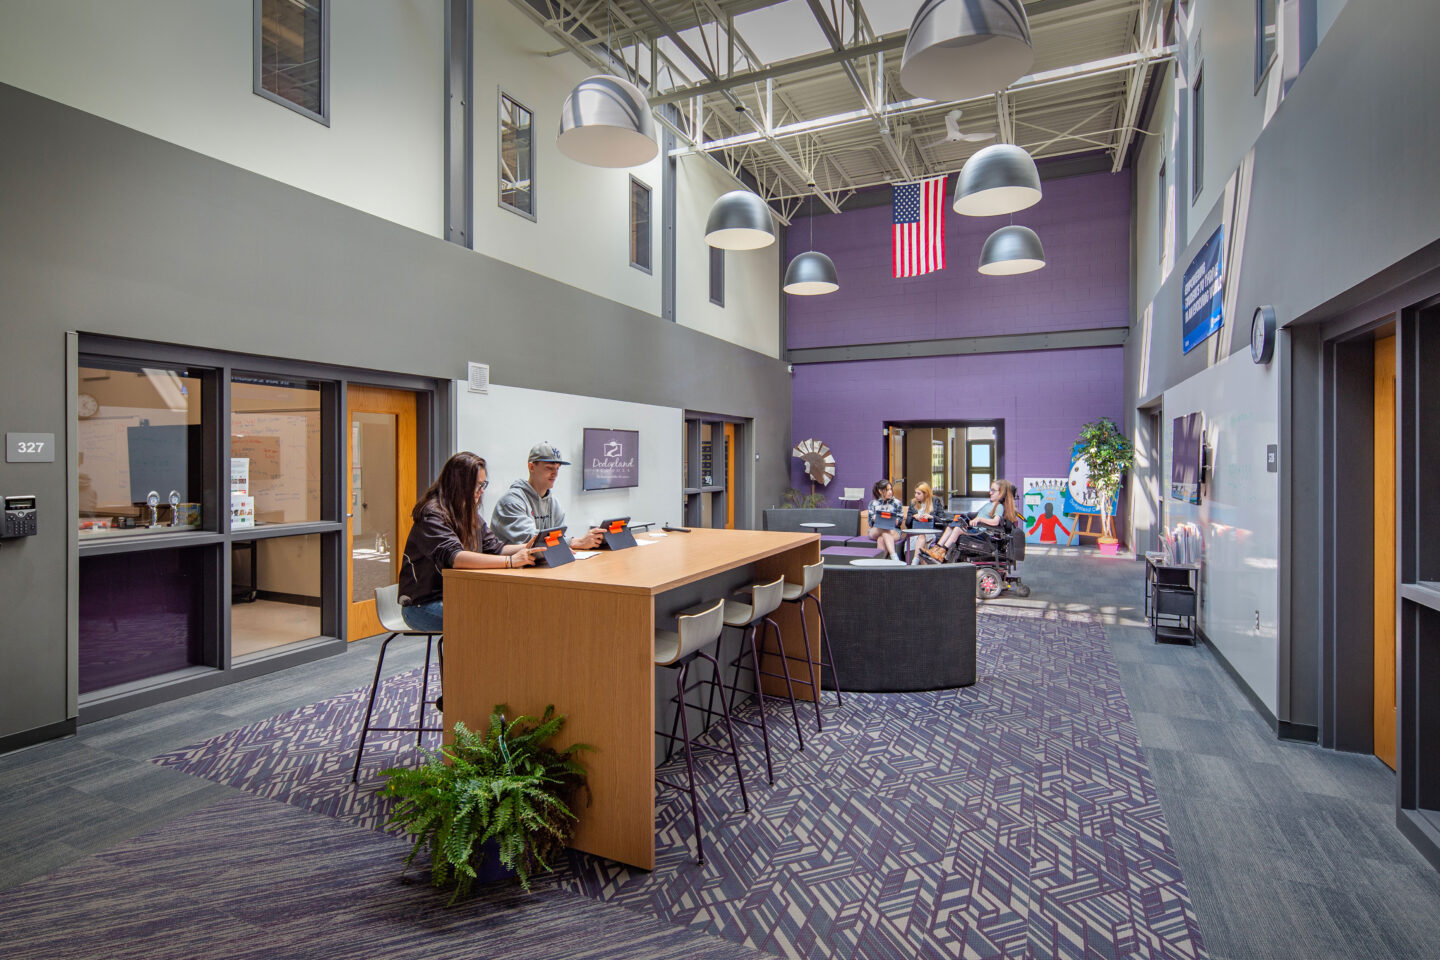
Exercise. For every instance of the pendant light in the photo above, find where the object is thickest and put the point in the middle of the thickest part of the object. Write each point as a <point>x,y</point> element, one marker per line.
<point>606,122</point>
<point>811,273</point>
<point>739,220</point>
<point>999,179</point>
<point>960,49</point>
<point>1011,250</point>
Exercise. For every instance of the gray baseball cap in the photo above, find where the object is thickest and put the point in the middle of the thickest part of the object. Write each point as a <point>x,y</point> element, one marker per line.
<point>547,453</point>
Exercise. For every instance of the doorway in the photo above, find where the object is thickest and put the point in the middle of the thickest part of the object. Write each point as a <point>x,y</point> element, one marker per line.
<point>1384,550</point>
<point>380,490</point>
<point>957,459</point>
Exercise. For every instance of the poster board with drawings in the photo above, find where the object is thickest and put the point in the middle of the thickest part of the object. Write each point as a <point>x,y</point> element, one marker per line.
<point>1044,508</point>
<point>284,454</point>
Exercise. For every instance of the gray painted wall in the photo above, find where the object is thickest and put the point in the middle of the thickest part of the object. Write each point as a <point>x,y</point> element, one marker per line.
<point>1343,204</point>
<point>105,230</point>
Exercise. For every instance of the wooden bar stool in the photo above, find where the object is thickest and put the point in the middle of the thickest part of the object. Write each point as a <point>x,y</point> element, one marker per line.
<point>697,629</point>
<point>387,607</point>
<point>798,593</point>
<point>753,618</point>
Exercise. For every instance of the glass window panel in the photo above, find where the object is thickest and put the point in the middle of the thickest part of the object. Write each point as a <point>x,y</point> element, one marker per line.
<point>979,484</point>
<point>291,53</point>
<point>274,452</point>
<point>138,433</point>
<point>980,433</point>
<point>717,276</point>
<point>517,165</point>
<point>274,592</point>
<point>373,507</point>
<point>141,615</point>
<point>979,454</point>
<point>639,224</point>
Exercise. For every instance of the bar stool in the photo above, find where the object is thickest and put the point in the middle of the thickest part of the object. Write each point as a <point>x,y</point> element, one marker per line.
<point>798,593</point>
<point>753,617</point>
<point>697,628</point>
<point>387,607</point>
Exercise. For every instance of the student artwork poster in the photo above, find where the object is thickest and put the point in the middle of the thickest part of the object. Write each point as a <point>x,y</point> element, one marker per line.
<point>1080,496</point>
<point>1043,510</point>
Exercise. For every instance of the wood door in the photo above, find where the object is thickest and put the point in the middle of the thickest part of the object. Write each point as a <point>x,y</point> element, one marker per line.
<point>895,462</point>
<point>729,476</point>
<point>1385,550</point>
<point>380,490</point>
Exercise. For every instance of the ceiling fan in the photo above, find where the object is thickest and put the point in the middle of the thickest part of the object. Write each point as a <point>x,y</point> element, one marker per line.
<point>953,134</point>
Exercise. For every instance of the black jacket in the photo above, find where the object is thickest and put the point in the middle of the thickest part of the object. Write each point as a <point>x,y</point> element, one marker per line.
<point>430,549</point>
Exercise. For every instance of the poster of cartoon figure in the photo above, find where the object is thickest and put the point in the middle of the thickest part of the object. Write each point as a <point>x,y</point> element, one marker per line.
<point>1044,502</point>
<point>1080,496</point>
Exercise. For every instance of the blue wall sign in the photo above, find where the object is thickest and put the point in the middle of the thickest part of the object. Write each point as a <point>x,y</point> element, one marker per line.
<point>1202,293</point>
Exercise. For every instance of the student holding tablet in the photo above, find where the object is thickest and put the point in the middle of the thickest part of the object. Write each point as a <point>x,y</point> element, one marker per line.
<point>884,513</point>
<point>531,505</point>
<point>450,531</point>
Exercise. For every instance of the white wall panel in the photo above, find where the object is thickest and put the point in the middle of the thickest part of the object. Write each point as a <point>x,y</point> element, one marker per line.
<point>581,232</point>
<point>503,425</point>
<point>1238,513</point>
<point>751,315</point>
<point>183,71</point>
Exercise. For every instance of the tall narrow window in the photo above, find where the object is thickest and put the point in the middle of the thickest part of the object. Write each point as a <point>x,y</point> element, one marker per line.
<point>517,157</point>
<point>292,55</point>
<point>639,225</point>
<point>717,276</point>
<point>1163,203</point>
<point>1266,37</point>
<point>1197,137</point>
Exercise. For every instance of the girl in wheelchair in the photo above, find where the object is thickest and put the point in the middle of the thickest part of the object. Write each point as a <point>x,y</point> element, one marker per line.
<point>992,540</point>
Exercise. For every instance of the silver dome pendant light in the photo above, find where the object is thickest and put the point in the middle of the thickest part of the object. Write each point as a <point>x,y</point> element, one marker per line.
<point>811,273</point>
<point>1001,178</point>
<point>1011,250</point>
<point>606,121</point>
<point>960,49</point>
<point>739,220</point>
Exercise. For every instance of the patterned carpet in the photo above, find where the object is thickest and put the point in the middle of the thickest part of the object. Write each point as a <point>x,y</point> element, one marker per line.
<point>1013,818</point>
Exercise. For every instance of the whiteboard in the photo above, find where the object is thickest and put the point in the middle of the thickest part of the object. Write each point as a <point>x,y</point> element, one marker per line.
<point>284,454</point>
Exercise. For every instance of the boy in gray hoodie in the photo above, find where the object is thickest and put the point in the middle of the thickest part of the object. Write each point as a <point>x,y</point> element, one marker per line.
<point>529,506</point>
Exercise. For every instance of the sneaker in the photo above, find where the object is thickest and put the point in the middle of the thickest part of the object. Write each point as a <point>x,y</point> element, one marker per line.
<point>440,704</point>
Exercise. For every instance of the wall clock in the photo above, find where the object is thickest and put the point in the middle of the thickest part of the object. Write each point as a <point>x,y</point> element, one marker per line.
<point>1262,334</point>
<point>88,406</point>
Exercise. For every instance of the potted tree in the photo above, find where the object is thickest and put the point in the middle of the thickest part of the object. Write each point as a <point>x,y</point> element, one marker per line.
<point>1109,456</point>
<point>490,805</point>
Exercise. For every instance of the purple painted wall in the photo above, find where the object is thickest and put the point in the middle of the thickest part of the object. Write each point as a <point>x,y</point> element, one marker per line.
<point>1043,397</point>
<point>1083,223</point>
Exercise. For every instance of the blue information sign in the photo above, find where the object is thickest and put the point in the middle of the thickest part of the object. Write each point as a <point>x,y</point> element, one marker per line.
<point>1202,294</point>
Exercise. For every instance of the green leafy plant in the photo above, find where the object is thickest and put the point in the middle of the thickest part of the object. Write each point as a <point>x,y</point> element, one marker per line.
<point>803,500</point>
<point>505,785</point>
<point>1109,457</point>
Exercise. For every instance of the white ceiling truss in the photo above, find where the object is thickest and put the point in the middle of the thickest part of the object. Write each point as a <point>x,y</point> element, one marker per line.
<point>803,96</point>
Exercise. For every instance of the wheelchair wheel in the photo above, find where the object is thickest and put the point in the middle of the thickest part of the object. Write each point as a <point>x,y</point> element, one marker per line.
<point>988,583</point>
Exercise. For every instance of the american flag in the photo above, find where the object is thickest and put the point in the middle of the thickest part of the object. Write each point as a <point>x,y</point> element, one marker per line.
<point>919,226</point>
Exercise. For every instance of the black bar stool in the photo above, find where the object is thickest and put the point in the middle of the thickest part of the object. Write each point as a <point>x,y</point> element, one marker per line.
<point>754,617</point>
<point>387,607</point>
<point>696,629</point>
<point>798,593</point>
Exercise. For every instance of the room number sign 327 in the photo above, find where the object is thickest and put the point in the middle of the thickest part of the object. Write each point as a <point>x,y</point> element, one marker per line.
<point>29,448</point>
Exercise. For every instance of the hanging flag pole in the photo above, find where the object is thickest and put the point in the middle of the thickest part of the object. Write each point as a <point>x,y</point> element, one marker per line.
<point>917,211</point>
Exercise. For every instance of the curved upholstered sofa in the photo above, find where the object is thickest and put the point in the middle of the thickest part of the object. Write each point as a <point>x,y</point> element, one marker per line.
<point>901,628</point>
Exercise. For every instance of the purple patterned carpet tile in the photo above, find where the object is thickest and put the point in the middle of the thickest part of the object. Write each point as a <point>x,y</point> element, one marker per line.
<point>1013,818</point>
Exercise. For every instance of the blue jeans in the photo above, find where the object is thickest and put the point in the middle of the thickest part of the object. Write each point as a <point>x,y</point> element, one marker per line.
<point>425,616</point>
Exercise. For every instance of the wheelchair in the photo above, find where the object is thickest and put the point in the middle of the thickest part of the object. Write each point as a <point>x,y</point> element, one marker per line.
<point>994,555</point>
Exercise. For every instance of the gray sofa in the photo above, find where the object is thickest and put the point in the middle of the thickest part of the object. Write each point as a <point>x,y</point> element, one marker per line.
<point>901,628</point>
<point>846,531</point>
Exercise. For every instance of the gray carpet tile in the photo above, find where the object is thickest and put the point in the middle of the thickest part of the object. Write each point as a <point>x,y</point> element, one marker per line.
<point>249,878</point>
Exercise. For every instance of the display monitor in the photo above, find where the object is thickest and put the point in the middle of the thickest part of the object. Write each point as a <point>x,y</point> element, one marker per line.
<point>1186,455</point>
<point>612,458</point>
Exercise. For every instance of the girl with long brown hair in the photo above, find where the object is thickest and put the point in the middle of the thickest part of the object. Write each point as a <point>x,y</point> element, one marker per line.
<point>450,531</point>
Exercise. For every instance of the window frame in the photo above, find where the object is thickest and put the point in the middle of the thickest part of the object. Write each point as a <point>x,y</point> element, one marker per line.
<point>1263,63</point>
<point>648,266</point>
<point>258,86</point>
<point>717,274</point>
<point>1197,136</point>
<point>533,214</point>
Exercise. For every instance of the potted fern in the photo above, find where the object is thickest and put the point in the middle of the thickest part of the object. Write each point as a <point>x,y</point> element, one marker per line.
<point>490,804</point>
<point>1109,456</point>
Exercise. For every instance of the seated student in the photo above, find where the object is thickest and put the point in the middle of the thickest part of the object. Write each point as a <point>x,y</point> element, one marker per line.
<point>884,501</point>
<point>450,531</point>
<point>1000,508</point>
<point>921,509</point>
<point>530,506</point>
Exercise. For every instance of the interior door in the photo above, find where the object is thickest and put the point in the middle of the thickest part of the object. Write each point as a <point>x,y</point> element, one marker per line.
<point>729,476</point>
<point>895,461</point>
<point>380,489</point>
<point>1385,550</point>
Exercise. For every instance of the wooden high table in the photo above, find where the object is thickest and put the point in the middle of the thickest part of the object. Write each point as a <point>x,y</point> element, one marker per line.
<point>581,637</point>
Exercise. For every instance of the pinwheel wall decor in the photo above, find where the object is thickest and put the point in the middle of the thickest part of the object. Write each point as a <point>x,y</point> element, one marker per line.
<point>818,460</point>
